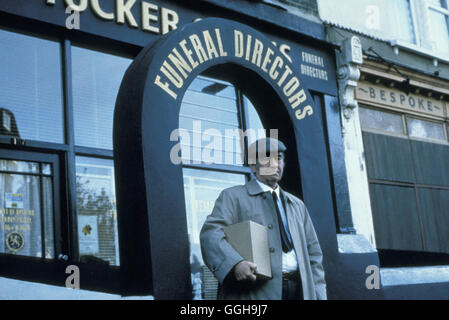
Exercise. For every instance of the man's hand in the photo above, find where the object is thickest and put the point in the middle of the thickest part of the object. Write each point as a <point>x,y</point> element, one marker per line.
<point>245,270</point>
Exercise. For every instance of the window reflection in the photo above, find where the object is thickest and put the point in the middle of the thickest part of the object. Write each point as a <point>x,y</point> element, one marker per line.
<point>30,88</point>
<point>96,82</point>
<point>201,188</point>
<point>257,130</point>
<point>209,116</point>
<point>425,129</point>
<point>370,118</point>
<point>96,211</point>
<point>26,197</point>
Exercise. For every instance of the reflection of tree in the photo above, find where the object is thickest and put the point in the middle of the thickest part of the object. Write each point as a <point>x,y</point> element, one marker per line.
<point>89,203</point>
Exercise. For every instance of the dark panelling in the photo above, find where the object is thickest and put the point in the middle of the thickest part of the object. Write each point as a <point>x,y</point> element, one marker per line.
<point>388,158</point>
<point>395,217</point>
<point>434,204</point>
<point>338,165</point>
<point>431,163</point>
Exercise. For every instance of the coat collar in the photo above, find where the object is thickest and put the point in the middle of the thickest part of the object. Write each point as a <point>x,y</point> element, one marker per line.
<point>254,189</point>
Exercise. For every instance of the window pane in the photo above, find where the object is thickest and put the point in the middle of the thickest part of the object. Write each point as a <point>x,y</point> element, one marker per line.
<point>384,19</point>
<point>46,168</point>
<point>438,31</point>
<point>375,119</point>
<point>209,119</point>
<point>30,88</point>
<point>96,211</point>
<point>21,212</point>
<point>255,126</point>
<point>400,20</point>
<point>425,129</point>
<point>201,188</point>
<point>19,166</point>
<point>96,82</point>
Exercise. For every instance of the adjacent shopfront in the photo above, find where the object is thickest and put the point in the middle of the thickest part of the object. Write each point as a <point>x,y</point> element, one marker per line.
<point>66,193</point>
<point>405,135</point>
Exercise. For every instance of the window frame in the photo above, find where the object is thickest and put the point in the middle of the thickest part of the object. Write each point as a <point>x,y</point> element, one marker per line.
<point>243,121</point>
<point>424,254</point>
<point>243,124</point>
<point>405,134</point>
<point>97,277</point>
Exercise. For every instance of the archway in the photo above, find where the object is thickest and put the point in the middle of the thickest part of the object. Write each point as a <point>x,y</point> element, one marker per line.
<point>154,251</point>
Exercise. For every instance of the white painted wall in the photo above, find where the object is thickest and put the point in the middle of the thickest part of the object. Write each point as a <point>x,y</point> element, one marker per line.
<point>357,177</point>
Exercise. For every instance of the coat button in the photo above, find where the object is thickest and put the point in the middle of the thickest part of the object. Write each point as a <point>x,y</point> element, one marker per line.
<point>270,226</point>
<point>271,250</point>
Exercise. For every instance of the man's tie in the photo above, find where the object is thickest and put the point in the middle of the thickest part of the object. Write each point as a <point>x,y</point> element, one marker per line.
<point>285,238</point>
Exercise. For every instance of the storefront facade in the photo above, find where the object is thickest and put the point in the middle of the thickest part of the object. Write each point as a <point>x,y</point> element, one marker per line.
<point>61,168</point>
<point>394,112</point>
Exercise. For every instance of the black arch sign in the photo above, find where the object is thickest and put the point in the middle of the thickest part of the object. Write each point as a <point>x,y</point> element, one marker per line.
<point>154,248</point>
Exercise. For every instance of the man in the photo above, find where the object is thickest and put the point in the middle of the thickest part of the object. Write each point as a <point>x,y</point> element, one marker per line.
<point>296,257</point>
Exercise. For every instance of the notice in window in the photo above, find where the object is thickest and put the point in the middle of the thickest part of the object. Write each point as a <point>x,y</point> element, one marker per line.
<point>13,200</point>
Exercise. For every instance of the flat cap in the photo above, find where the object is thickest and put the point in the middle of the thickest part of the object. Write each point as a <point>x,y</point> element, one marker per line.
<point>264,147</point>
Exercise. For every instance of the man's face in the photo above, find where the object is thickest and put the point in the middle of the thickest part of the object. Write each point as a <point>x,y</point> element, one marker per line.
<point>270,170</point>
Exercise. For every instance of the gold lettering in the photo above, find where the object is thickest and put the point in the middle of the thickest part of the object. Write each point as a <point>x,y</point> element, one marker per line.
<point>147,17</point>
<point>171,74</point>
<point>284,76</point>
<point>257,53</point>
<point>297,99</point>
<point>99,12</point>
<point>79,8</point>
<point>291,86</point>
<point>164,86</point>
<point>210,46</point>
<point>267,59</point>
<point>307,111</point>
<point>220,43</point>
<point>124,12</point>
<point>169,19</point>
<point>285,50</point>
<point>248,47</point>
<point>238,44</point>
<point>196,43</point>
<point>188,54</point>
<point>278,62</point>
<point>179,63</point>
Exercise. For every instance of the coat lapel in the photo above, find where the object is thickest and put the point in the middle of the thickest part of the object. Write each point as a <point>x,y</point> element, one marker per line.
<point>253,188</point>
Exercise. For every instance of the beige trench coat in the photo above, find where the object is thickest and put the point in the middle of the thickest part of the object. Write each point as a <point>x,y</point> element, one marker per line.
<point>249,202</point>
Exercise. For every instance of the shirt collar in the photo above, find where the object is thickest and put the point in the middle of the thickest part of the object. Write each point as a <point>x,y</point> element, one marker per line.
<point>266,188</point>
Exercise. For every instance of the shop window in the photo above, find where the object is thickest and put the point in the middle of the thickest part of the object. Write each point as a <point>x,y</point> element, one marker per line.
<point>217,121</point>
<point>31,102</point>
<point>26,214</point>
<point>380,120</point>
<point>96,80</point>
<point>425,129</point>
<point>254,123</point>
<point>202,188</point>
<point>96,211</point>
<point>409,182</point>
<point>209,116</point>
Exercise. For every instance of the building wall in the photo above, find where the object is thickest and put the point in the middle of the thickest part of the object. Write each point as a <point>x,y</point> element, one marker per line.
<point>387,65</point>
